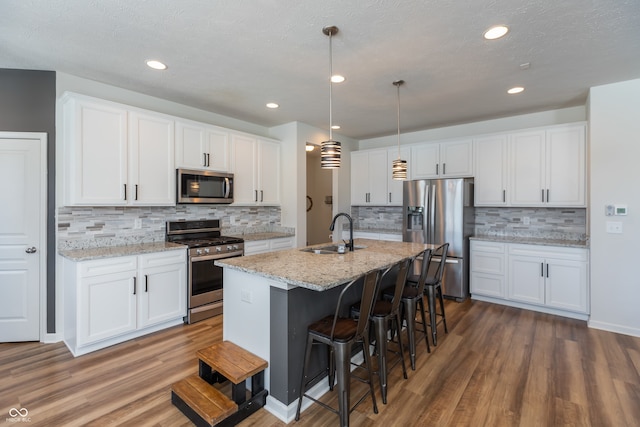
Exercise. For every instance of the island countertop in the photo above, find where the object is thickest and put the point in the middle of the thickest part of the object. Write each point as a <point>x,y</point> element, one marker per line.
<point>320,272</point>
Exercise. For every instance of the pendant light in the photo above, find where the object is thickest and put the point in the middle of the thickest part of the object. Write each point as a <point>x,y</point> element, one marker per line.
<point>399,166</point>
<point>330,149</point>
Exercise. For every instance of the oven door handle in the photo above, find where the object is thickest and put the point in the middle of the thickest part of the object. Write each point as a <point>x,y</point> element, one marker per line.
<point>227,188</point>
<point>217,256</point>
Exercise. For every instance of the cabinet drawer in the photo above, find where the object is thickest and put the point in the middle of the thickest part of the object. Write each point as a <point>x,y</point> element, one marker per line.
<point>556,252</point>
<point>107,266</point>
<point>256,247</point>
<point>284,243</point>
<point>483,246</point>
<point>163,258</point>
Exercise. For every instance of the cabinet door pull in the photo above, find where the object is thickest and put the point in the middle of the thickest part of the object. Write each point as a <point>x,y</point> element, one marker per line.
<point>547,195</point>
<point>136,192</point>
<point>543,195</point>
<point>208,159</point>
<point>125,191</point>
<point>444,169</point>
<point>134,284</point>
<point>256,195</point>
<point>146,283</point>
<point>389,197</point>
<point>504,196</point>
<point>204,159</point>
<point>437,168</point>
<point>542,269</point>
<point>547,271</point>
<point>261,195</point>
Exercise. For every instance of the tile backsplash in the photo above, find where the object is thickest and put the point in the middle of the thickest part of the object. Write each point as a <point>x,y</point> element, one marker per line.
<point>90,227</point>
<point>549,223</point>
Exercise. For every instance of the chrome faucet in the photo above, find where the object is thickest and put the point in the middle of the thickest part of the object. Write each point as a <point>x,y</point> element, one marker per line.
<point>333,225</point>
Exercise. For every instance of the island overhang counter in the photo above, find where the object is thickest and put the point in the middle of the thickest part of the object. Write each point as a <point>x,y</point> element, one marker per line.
<point>271,298</point>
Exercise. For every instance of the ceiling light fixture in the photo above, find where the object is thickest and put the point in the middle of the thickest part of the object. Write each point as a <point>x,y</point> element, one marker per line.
<point>496,32</point>
<point>330,149</point>
<point>334,127</point>
<point>515,90</point>
<point>337,78</point>
<point>399,166</point>
<point>310,146</point>
<point>272,105</point>
<point>156,65</point>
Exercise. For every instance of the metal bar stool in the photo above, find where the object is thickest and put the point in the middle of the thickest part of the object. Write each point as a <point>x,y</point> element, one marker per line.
<point>340,334</point>
<point>383,313</point>
<point>433,289</point>
<point>411,301</point>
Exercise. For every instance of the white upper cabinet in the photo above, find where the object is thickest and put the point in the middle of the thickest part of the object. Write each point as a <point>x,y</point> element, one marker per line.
<point>548,167</point>
<point>151,169</point>
<point>449,159</point>
<point>490,170</point>
<point>539,167</point>
<point>96,152</point>
<point>371,182</point>
<point>256,168</point>
<point>200,146</point>
<point>115,155</point>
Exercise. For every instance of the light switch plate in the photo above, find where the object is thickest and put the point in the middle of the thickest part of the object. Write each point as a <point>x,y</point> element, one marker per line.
<point>614,227</point>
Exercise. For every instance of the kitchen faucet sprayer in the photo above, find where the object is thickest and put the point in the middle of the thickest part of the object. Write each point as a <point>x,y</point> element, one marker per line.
<point>333,224</point>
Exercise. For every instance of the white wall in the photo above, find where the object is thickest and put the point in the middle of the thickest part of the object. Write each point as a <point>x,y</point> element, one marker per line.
<point>614,137</point>
<point>544,118</point>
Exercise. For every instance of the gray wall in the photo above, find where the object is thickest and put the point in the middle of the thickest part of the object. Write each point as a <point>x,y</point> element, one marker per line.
<point>27,104</point>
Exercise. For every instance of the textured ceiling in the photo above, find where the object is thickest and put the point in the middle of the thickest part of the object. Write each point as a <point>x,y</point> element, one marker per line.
<point>233,56</point>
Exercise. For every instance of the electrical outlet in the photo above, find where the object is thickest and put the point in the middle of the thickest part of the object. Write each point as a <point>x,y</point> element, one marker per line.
<point>614,227</point>
<point>137,223</point>
<point>526,220</point>
<point>246,296</point>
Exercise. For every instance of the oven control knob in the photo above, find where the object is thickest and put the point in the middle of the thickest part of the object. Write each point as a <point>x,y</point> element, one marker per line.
<point>198,251</point>
<point>235,247</point>
<point>206,250</point>
<point>218,249</point>
<point>229,248</point>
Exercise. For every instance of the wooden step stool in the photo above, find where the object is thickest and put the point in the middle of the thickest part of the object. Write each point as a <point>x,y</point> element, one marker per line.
<point>204,404</point>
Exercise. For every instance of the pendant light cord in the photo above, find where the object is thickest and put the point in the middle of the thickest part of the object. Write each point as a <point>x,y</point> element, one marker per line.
<point>398,87</point>
<point>330,88</point>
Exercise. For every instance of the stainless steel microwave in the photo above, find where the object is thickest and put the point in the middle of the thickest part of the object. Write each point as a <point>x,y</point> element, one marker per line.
<point>197,186</point>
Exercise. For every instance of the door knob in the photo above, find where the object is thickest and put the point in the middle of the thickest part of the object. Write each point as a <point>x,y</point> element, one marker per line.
<point>31,250</point>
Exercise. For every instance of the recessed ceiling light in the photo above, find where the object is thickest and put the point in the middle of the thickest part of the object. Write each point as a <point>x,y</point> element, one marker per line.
<point>515,90</point>
<point>336,78</point>
<point>156,65</point>
<point>309,146</point>
<point>272,105</point>
<point>335,127</point>
<point>496,32</point>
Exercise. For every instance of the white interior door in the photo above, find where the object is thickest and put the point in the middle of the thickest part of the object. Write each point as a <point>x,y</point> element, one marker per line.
<point>22,234</point>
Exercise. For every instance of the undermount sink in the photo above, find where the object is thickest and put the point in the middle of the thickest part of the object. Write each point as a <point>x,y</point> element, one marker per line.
<point>330,249</point>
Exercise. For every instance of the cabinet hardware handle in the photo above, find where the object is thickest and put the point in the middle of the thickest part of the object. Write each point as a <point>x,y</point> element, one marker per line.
<point>547,195</point>
<point>389,197</point>
<point>547,271</point>
<point>146,283</point>
<point>256,191</point>
<point>543,195</point>
<point>437,168</point>
<point>542,269</point>
<point>125,191</point>
<point>444,169</point>
<point>204,159</point>
<point>208,159</point>
<point>261,195</point>
<point>504,196</point>
<point>136,192</point>
<point>134,285</point>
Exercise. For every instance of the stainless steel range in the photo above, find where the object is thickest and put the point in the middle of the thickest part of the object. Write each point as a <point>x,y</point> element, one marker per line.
<point>205,279</point>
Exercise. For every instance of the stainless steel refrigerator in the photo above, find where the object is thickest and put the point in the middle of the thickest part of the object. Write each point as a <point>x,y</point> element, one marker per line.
<point>441,211</point>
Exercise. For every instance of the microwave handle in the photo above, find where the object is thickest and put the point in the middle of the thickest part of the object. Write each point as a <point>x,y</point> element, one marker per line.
<point>227,188</point>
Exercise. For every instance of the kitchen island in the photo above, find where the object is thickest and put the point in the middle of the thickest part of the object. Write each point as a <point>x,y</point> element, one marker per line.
<point>271,298</point>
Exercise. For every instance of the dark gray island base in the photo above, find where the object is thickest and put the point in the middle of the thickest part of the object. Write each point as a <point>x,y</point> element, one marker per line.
<point>270,299</point>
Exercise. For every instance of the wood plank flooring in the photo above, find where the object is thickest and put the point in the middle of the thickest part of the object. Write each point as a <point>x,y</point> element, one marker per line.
<point>498,366</point>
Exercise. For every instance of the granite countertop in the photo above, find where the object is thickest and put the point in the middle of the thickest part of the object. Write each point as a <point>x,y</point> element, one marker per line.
<point>376,230</point>
<point>116,251</point>
<point>584,244</point>
<point>249,237</point>
<point>322,272</point>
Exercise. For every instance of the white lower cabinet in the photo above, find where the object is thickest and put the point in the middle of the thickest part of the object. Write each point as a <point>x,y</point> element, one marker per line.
<point>268,245</point>
<point>546,278</point>
<point>111,300</point>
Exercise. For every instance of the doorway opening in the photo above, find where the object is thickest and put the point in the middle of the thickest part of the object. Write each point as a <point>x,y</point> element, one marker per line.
<point>319,199</point>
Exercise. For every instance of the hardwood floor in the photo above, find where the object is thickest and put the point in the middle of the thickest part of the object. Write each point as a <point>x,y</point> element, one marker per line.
<point>498,366</point>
